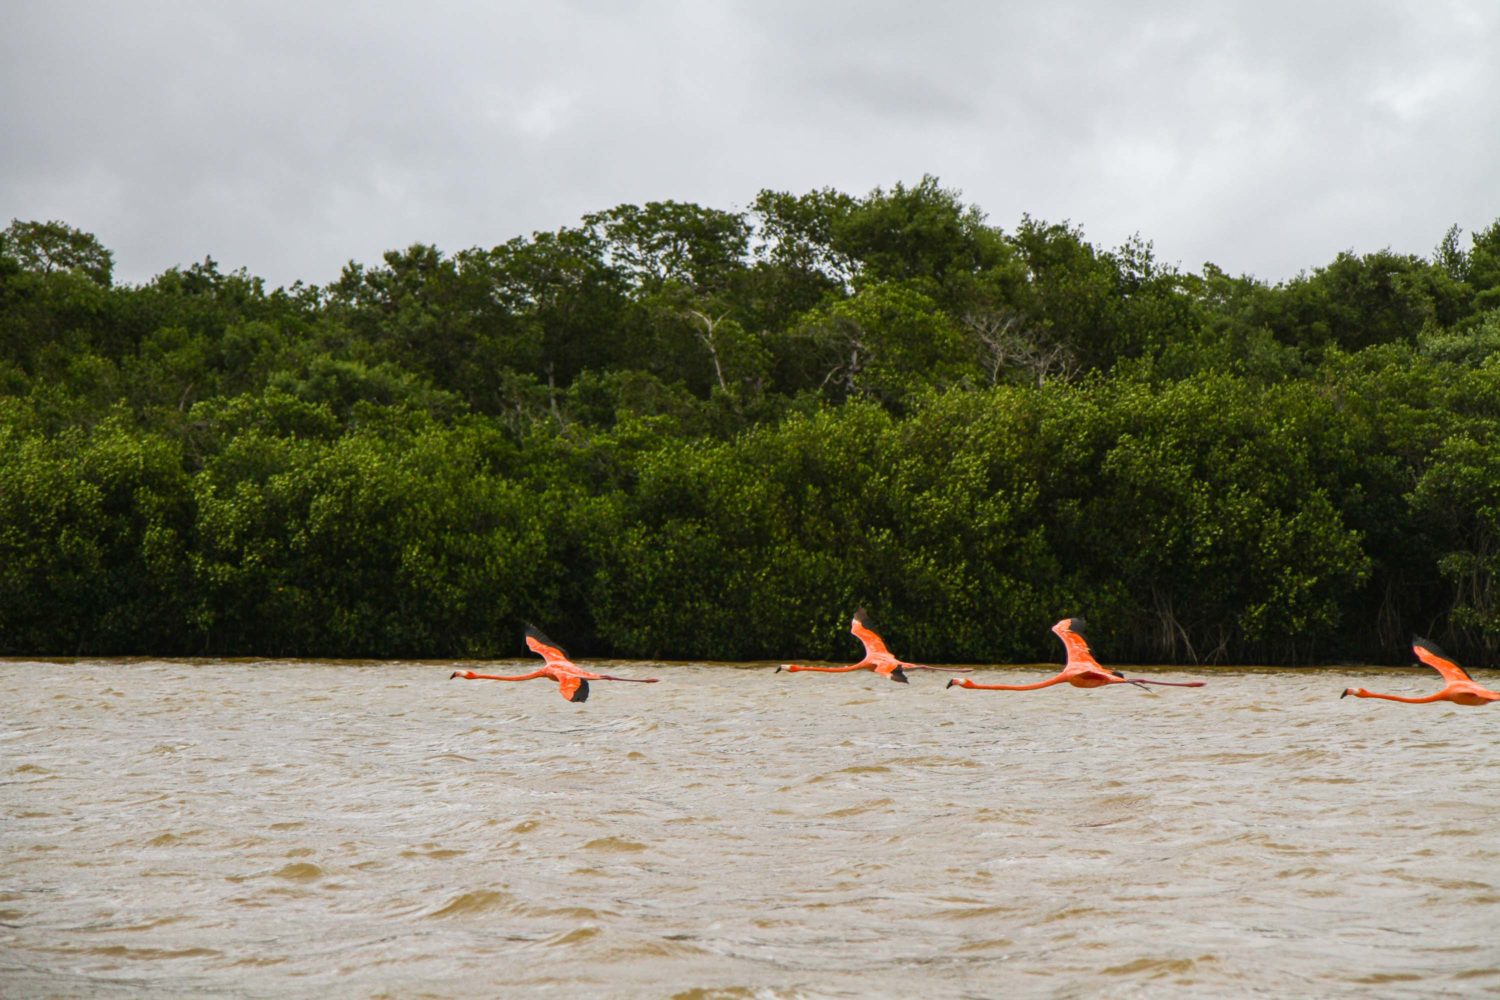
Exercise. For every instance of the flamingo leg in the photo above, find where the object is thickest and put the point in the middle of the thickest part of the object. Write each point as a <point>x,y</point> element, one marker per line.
<point>923,666</point>
<point>632,680</point>
<point>1175,684</point>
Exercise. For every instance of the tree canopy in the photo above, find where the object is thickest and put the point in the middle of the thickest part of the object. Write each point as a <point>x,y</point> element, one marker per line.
<point>680,431</point>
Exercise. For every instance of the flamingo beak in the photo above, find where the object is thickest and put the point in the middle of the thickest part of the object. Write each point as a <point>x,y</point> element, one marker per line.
<point>1345,694</point>
<point>777,670</point>
<point>949,684</point>
<point>453,676</point>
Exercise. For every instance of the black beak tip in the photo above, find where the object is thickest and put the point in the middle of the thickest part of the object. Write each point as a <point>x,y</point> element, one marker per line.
<point>453,676</point>
<point>1344,695</point>
<point>777,670</point>
<point>949,684</point>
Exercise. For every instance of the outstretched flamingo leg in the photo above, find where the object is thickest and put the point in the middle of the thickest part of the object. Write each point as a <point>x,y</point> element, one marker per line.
<point>924,666</point>
<point>966,683</point>
<point>1175,684</point>
<point>795,667</point>
<point>632,680</point>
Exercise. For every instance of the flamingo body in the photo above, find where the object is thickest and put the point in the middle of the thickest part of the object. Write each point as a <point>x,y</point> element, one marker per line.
<point>1460,688</point>
<point>878,656</point>
<point>1081,670</point>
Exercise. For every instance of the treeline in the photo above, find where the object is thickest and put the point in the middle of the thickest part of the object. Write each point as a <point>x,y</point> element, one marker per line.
<point>674,431</point>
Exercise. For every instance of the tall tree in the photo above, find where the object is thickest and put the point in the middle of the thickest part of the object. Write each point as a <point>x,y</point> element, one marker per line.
<point>45,247</point>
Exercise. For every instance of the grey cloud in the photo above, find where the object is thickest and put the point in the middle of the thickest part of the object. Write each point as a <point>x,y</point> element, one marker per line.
<point>290,138</point>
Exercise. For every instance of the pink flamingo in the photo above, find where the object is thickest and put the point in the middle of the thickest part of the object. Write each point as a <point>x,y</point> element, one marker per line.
<point>1082,670</point>
<point>877,657</point>
<point>572,680</point>
<point>1460,689</point>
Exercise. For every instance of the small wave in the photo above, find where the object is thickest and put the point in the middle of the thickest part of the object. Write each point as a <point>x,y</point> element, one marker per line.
<point>1477,973</point>
<point>434,851</point>
<point>1378,978</point>
<point>974,912</point>
<point>859,809</point>
<point>617,844</point>
<point>668,947</point>
<point>1156,967</point>
<point>579,913</point>
<point>1301,873</point>
<point>575,936</point>
<point>148,925</point>
<point>299,871</point>
<point>150,954</point>
<point>479,901</point>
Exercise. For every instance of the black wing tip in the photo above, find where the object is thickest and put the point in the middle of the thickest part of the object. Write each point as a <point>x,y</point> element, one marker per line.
<point>1076,625</point>
<point>1418,642</point>
<point>582,694</point>
<point>862,617</point>
<point>899,676</point>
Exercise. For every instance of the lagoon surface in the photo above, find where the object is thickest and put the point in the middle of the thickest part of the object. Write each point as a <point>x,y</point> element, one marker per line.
<point>284,829</point>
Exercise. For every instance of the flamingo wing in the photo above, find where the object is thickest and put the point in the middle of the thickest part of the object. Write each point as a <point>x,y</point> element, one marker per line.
<point>1079,654</point>
<point>573,687</point>
<point>1430,654</point>
<point>874,645</point>
<point>544,647</point>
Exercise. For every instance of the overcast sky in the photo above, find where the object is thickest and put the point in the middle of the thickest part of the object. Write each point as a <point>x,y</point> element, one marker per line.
<point>289,138</point>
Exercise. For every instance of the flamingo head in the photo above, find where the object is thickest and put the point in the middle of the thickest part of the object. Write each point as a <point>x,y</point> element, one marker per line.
<point>1357,692</point>
<point>467,675</point>
<point>962,682</point>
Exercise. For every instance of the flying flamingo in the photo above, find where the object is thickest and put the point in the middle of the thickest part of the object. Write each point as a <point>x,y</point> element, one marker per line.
<point>1082,670</point>
<point>572,680</point>
<point>1460,689</point>
<point>877,657</point>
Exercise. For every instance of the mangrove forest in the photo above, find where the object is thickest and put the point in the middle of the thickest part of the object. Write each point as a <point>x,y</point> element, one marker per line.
<point>681,432</point>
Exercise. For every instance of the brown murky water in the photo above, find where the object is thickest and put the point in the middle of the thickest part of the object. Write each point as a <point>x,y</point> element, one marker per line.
<point>305,829</point>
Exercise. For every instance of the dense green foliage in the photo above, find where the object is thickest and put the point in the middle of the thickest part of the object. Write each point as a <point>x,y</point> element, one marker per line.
<point>674,431</point>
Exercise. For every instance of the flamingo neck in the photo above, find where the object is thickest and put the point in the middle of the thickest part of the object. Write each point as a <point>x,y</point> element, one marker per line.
<point>1362,693</point>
